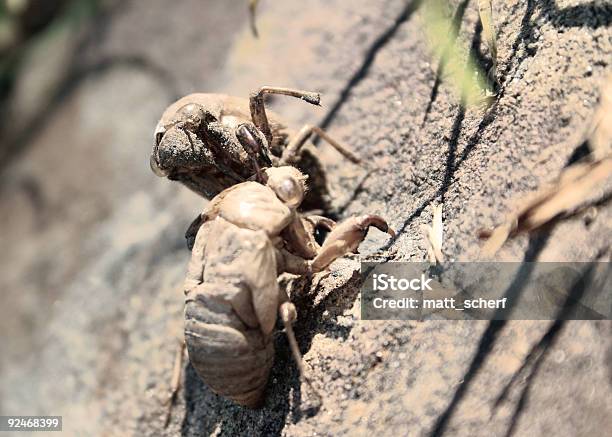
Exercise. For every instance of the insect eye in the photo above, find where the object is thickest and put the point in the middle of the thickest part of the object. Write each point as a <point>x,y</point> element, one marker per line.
<point>289,191</point>
<point>160,130</point>
<point>158,137</point>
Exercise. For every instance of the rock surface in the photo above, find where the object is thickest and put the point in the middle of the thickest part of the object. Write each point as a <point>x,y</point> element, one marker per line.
<point>93,255</point>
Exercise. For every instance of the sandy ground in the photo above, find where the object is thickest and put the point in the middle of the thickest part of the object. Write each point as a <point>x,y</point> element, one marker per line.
<point>93,256</point>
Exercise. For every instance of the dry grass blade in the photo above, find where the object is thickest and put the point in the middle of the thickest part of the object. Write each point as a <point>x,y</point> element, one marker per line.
<point>566,196</point>
<point>486,18</point>
<point>434,236</point>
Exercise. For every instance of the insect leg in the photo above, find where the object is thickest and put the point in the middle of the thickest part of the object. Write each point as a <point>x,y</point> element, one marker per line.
<point>346,237</point>
<point>290,263</point>
<point>320,221</point>
<point>175,382</point>
<point>292,150</point>
<point>317,227</point>
<point>288,315</point>
<point>258,110</point>
<point>248,139</point>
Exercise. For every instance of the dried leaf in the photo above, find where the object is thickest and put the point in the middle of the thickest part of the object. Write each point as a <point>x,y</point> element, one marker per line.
<point>569,193</point>
<point>573,190</point>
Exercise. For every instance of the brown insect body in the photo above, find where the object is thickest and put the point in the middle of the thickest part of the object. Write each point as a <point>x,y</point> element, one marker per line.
<point>247,162</point>
<point>232,295</point>
<point>227,344</point>
<point>208,156</point>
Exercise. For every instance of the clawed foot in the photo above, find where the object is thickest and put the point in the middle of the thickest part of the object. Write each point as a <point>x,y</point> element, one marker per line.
<point>346,237</point>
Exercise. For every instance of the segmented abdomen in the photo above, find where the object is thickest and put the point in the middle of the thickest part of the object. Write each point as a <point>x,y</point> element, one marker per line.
<point>232,359</point>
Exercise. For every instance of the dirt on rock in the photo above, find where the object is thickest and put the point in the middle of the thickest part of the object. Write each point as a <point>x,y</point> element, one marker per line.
<point>93,255</point>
